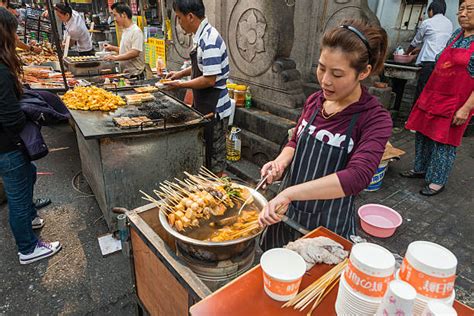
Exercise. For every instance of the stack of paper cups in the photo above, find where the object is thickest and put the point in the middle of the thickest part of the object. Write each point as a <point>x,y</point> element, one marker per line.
<point>365,280</point>
<point>431,270</point>
<point>434,308</point>
<point>398,300</point>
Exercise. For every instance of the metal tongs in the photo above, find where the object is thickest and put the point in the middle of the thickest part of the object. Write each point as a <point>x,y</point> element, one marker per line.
<point>232,219</point>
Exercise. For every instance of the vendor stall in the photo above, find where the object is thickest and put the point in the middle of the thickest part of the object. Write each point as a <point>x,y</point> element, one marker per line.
<point>118,160</point>
<point>400,73</point>
<point>166,285</point>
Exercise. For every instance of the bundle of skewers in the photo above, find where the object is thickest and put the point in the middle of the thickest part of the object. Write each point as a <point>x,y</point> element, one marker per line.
<point>186,202</point>
<point>253,225</point>
<point>317,291</point>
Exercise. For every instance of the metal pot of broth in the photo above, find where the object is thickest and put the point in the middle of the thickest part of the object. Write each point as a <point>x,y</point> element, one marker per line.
<point>205,250</point>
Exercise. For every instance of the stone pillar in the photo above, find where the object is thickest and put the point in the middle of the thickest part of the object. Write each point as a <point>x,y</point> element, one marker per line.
<point>312,19</point>
<point>260,37</point>
<point>335,12</point>
<point>270,46</point>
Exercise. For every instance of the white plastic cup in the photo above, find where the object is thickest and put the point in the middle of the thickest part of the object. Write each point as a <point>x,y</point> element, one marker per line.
<point>283,270</point>
<point>434,308</point>
<point>398,300</point>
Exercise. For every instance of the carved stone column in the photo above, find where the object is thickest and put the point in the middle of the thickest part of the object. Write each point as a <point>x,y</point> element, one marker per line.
<point>260,37</point>
<point>333,12</point>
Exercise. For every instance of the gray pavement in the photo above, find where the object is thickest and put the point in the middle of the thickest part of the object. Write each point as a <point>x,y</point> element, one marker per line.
<point>80,281</point>
<point>446,219</point>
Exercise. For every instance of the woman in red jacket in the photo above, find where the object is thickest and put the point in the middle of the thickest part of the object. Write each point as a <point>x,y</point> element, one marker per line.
<point>339,140</point>
<point>443,110</point>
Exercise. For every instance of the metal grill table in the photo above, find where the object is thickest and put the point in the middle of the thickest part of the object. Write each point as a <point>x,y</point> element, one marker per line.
<point>117,163</point>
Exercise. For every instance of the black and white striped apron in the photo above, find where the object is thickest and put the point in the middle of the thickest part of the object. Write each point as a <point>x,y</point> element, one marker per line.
<point>315,159</point>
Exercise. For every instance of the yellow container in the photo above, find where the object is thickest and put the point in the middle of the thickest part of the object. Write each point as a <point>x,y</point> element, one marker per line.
<point>231,89</point>
<point>239,95</point>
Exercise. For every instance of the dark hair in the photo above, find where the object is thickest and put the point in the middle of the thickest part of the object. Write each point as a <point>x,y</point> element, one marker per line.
<point>115,4</point>
<point>122,8</point>
<point>64,8</point>
<point>195,7</point>
<point>369,47</point>
<point>437,6</point>
<point>8,54</point>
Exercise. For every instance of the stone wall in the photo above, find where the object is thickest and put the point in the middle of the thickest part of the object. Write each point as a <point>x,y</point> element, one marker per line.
<point>273,45</point>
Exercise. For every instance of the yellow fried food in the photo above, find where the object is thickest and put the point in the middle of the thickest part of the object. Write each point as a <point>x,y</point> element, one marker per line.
<point>231,232</point>
<point>91,99</point>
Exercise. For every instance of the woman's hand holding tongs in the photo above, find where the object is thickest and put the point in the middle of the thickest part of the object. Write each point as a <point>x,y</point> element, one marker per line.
<point>274,170</point>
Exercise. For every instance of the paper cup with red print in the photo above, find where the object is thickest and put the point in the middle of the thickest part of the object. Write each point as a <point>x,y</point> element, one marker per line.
<point>283,270</point>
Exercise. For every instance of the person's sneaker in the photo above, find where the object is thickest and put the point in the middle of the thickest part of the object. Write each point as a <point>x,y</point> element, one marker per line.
<point>42,250</point>
<point>37,223</point>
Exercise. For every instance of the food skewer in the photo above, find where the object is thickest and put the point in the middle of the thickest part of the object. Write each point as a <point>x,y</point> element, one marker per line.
<point>318,290</point>
<point>319,300</point>
<point>149,198</point>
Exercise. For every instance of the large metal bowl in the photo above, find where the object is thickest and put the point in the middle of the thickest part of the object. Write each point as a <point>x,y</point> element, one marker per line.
<point>215,251</point>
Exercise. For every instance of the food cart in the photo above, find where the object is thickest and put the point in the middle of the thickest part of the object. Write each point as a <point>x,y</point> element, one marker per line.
<point>117,162</point>
<point>166,285</point>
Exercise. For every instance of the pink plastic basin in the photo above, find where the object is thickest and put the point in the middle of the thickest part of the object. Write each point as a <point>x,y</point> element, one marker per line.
<point>378,220</point>
<point>405,59</point>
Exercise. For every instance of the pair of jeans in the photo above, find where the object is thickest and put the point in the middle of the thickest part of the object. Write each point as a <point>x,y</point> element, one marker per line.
<point>19,177</point>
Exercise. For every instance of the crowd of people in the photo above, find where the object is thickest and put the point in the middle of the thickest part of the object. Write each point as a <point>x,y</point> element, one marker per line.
<point>321,177</point>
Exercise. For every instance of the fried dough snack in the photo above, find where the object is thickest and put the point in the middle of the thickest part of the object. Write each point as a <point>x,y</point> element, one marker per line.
<point>91,99</point>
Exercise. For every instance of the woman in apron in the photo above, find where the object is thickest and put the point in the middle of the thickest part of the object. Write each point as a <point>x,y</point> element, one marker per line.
<point>443,110</point>
<point>338,142</point>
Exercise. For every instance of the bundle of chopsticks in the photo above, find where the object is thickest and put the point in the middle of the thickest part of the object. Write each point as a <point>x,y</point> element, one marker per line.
<point>318,290</point>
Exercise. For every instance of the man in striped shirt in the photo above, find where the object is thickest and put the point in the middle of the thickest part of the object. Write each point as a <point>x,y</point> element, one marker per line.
<point>209,72</point>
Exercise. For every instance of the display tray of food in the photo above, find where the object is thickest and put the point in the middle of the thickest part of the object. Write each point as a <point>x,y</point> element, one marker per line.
<point>126,122</point>
<point>92,99</point>
<point>47,54</point>
<point>95,115</point>
<point>204,209</point>
<point>137,99</point>
<point>45,78</point>
<point>89,66</point>
<point>145,89</point>
<point>81,59</point>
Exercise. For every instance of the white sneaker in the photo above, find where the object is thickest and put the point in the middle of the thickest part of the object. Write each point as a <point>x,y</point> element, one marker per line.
<point>42,250</point>
<point>37,223</point>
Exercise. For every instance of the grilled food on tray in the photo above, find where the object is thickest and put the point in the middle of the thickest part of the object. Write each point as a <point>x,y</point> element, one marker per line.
<point>47,54</point>
<point>145,89</point>
<point>82,58</point>
<point>125,121</point>
<point>134,99</point>
<point>92,99</point>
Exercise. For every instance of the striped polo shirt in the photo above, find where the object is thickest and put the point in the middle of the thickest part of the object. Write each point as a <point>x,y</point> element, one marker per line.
<point>213,61</point>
